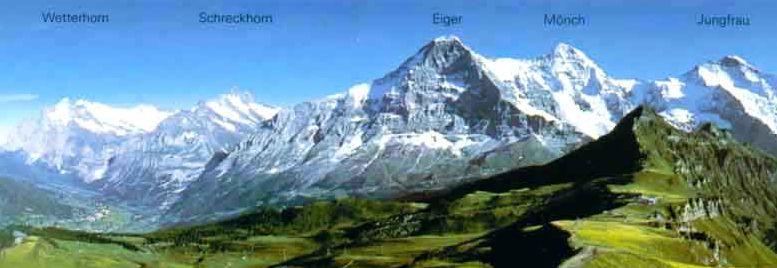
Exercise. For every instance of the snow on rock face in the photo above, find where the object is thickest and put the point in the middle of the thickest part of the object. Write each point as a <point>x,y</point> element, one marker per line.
<point>138,153</point>
<point>103,119</point>
<point>79,136</point>
<point>744,83</point>
<point>572,66</point>
<point>442,116</point>
<point>238,108</point>
<point>155,167</point>
<point>565,85</point>
<point>728,92</point>
<point>507,69</point>
<point>358,94</point>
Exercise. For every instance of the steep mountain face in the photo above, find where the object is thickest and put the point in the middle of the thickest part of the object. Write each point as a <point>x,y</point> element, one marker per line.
<point>728,92</point>
<point>151,169</point>
<point>79,137</point>
<point>566,86</point>
<point>445,115</point>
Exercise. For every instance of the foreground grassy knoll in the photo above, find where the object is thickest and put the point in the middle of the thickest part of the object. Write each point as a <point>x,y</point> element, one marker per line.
<point>645,195</point>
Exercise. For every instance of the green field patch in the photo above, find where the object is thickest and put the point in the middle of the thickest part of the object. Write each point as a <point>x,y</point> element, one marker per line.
<point>36,252</point>
<point>397,252</point>
<point>658,244</point>
<point>667,188</point>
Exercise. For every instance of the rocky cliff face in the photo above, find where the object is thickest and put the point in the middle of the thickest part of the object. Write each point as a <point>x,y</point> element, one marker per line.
<point>151,169</point>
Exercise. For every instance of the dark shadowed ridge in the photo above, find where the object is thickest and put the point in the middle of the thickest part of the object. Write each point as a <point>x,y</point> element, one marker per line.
<point>615,153</point>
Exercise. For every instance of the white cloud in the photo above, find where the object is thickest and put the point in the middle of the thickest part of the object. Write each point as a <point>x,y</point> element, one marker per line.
<point>6,98</point>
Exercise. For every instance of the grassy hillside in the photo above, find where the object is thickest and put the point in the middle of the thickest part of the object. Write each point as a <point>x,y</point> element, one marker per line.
<point>24,200</point>
<point>645,195</point>
<point>678,200</point>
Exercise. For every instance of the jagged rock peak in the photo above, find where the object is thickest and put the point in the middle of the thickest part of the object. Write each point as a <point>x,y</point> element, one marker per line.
<point>442,53</point>
<point>441,56</point>
<point>726,63</point>
<point>726,70</point>
<point>238,102</point>
<point>234,95</point>
<point>565,54</point>
<point>733,61</point>
<point>565,49</point>
<point>447,38</point>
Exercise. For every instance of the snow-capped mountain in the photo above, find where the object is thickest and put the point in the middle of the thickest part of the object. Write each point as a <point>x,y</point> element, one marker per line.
<point>141,155</point>
<point>567,86</point>
<point>152,168</point>
<point>80,136</point>
<point>728,92</point>
<point>444,116</point>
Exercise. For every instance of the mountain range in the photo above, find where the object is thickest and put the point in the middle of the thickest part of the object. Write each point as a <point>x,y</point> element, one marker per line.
<point>446,116</point>
<point>646,194</point>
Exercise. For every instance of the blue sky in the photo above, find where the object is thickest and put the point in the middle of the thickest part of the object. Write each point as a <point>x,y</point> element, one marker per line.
<point>158,53</point>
